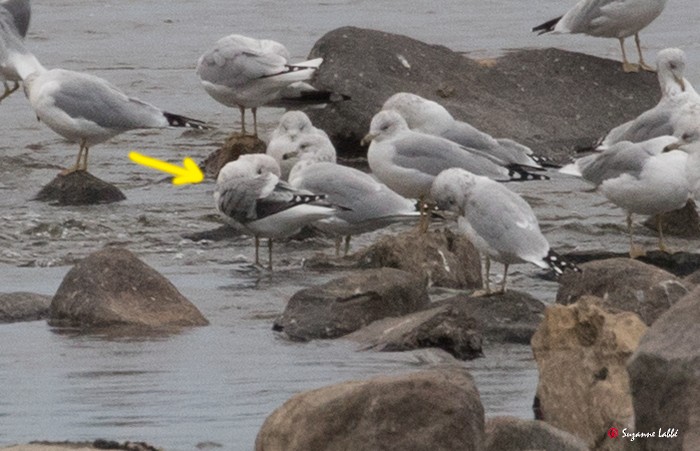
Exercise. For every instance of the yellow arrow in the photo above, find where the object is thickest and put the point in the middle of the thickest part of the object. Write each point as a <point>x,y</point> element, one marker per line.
<point>190,173</point>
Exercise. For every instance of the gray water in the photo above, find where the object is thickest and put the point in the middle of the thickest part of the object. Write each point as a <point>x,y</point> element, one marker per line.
<point>218,383</point>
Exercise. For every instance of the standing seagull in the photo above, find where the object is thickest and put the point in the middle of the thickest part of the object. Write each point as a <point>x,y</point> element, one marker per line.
<point>251,196</point>
<point>89,110</point>
<point>499,223</point>
<point>16,62</point>
<point>609,19</point>
<point>247,73</point>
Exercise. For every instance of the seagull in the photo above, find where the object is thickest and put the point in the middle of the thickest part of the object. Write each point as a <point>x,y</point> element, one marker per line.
<point>89,110</point>
<point>370,204</point>
<point>646,178</point>
<point>426,116</point>
<point>500,224</point>
<point>16,62</point>
<point>609,19</point>
<point>293,125</point>
<point>677,95</point>
<point>248,73</point>
<point>408,161</point>
<point>252,198</point>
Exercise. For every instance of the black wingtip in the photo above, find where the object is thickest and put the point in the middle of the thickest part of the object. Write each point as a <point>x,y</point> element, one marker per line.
<point>175,120</point>
<point>547,26</point>
<point>518,174</point>
<point>545,162</point>
<point>558,264</point>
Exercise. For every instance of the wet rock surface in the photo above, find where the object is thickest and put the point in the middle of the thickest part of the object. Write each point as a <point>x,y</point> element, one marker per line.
<point>22,306</point>
<point>349,303</point>
<point>83,446</point>
<point>665,377</point>
<point>551,100</point>
<point>624,284</point>
<point>79,188</point>
<point>426,410</point>
<point>235,146</point>
<point>679,263</point>
<point>516,434</point>
<point>112,287</point>
<point>581,352</point>
<point>684,222</point>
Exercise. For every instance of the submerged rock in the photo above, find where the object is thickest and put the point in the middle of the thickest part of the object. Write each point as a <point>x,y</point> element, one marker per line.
<point>665,377</point>
<point>422,411</point>
<point>22,306</point>
<point>112,287</point>
<point>624,284</point>
<point>79,188</point>
<point>349,303</point>
<point>581,352</point>
<point>235,146</point>
<point>551,100</point>
<point>516,434</point>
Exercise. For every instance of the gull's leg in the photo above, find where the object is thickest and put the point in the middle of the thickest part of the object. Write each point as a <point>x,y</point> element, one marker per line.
<point>635,251</point>
<point>242,110</point>
<point>505,275</point>
<point>488,271</point>
<point>257,250</point>
<point>642,64</point>
<point>8,91</point>
<point>255,122</point>
<point>85,158</point>
<point>659,227</point>
<point>347,245</point>
<point>338,242</point>
<point>626,65</point>
<point>269,254</point>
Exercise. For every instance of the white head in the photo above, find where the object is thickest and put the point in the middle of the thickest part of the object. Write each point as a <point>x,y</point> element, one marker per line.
<point>293,124</point>
<point>385,125</point>
<point>451,188</point>
<point>421,114</point>
<point>248,166</point>
<point>311,149</point>
<point>670,67</point>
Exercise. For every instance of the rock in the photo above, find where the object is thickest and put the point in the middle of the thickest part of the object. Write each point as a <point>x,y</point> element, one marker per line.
<point>79,188</point>
<point>349,303</point>
<point>684,222</point>
<point>665,377</point>
<point>447,327</point>
<point>224,232</point>
<point>511,317</point>
<point>516,434</point>
<point>235,146</point>
<point>83,446</point>
<point>113,287</point>
<point>511,98</point>
<point>581,352</point>
<point>624,284</point>
<point>679,264</point>
<point>446,259</point>
<point>427,410</point>
<point>21,306</point>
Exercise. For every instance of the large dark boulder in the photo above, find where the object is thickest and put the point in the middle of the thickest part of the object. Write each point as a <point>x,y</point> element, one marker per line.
<point>624,284</point>
<point>112,287</point>
<point>349,303</point>
<point>665,377</point>
<point>423,411</point>
<point>79,188</point>
<point>550,100</point>
<point>516,434</point>
<point>21,306</point>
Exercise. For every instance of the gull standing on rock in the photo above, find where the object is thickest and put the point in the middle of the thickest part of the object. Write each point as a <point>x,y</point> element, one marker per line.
<point>370,204</point>
<point>16,62</point>
<point>609,19</point>
<point>500,224</point>
<point>426,116</point>
<point>251,196</point>
<point>285,138</point>
<point>248,73</point>
<point>89,110</point>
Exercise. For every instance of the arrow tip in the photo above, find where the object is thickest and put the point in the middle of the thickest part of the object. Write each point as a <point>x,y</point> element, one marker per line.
<point>191,173</point>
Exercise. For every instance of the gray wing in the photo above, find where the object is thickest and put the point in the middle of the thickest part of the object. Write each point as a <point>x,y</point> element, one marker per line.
<point>650,124</point>
<point>231,64</point>
<point>622,158</point>
<point>92,98</point>
<point>432,155</point>
<point>582,17</point>
<point>19,13</point>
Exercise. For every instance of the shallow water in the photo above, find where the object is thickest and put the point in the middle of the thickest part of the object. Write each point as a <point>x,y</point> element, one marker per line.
<point>218,383</point>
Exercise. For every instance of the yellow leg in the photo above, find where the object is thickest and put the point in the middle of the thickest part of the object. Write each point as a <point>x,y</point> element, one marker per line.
<point>255,122</point>
<point>505,276</point>
<point>257,251</point>
<point>347,245</point>
<point>269,254</point>
<point>626,65</point>
<point>8,91</point>
<point>635,251</point>
<point>659,227</point>
<point>642,64</point>
<point>242,110</point>
<point>487,282</point>
<point>338,242</point>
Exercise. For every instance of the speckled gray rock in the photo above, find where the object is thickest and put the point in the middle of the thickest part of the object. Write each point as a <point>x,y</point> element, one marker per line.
<point>516,434</point>
<point>21,306</point>
<point>349,303</point>
<point>551,100</point>
<point>424,411</point>
<point>79,188</point>
<point>112,287</point>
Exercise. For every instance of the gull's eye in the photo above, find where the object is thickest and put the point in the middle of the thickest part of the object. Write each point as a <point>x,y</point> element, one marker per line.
<point>260,171</point>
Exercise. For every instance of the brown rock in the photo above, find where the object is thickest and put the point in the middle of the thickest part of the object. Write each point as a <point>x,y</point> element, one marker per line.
<point>113,287</point>
<point>349,303</point>
<point>428,410</point>
<point>79,188</point>
<point>511,98</point>
<point>516,434</point>
<point>22,306</point>
<point>235,146</point>
<point>446,259</point>
<point>684,222</point>
<point>665,378</point>
<point>581,352</point>
<point>623,284</point>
